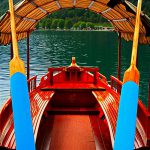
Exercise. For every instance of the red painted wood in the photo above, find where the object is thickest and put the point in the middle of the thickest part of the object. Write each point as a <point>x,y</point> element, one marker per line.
<point>38,103</point>
<point>72,132</point>
<point>109,102</point>
<point>101,134</point>
<point>102,106</point>
<point>116,84</point>
<point>149,96</point>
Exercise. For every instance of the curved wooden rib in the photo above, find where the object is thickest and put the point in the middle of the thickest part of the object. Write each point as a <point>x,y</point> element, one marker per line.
<point>39,101</point>
<point>109,103</point>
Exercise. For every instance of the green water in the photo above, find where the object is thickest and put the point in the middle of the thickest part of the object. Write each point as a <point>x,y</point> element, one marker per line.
<point>91,48</point>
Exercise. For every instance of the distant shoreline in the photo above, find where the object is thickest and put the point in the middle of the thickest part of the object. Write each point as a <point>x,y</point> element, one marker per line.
<point>108,30</point>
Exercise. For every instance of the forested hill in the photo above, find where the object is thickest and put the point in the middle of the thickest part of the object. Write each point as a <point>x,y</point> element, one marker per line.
<point>67,18</point>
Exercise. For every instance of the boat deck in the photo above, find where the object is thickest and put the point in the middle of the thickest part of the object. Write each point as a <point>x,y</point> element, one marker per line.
<point>74,128</point>
<point>68,132</point>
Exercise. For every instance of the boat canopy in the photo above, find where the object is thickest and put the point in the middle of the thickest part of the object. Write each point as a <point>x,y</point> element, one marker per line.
<point>120,13</point>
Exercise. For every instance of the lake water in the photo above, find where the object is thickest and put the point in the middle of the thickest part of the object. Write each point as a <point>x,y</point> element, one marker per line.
<point>92,48</point>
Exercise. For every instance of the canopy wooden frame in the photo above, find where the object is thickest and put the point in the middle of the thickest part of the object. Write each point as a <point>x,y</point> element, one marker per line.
<point>120,13</point>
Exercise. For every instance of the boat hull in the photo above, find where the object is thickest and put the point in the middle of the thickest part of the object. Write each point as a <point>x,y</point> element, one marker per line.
<point>74,108</point>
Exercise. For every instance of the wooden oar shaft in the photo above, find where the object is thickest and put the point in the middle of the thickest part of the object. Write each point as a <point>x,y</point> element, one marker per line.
<point>136,34</point>
<point>24,135</point>
<point>16,64</point>
<point>132,74</point>
<point>127,113</point>
<point>13,29</point>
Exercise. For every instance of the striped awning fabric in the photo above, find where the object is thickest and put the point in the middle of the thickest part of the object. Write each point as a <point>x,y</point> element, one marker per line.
<point>120,13</point>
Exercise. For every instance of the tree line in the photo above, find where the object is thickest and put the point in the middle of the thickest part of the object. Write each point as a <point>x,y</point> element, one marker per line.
<point>68,24</point>
<point>71,18</point>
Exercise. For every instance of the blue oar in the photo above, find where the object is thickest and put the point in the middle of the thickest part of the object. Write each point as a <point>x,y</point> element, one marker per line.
<point>126,123</point>
<point>20,97</point>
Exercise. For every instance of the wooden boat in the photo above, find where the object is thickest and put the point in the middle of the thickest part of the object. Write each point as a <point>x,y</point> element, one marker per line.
<point>73,107</point>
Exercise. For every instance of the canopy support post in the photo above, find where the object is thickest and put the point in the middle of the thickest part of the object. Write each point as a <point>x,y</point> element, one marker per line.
<point>137,59</point>
<point>11,51</point>
<point>148,130</point>
<point>119,56</point>
<point>149,97</point>
<point>28,55</point>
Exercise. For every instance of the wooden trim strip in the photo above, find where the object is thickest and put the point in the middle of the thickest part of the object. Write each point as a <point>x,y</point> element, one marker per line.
<point>11,141</point>
<point>9,33</point>
<point>107,10</point>
<point>6,128</point>
<point>40,8</point>
<point>58,4</point>
<point>92,2</point>
<point>25,18</point>
<point>39,118</point>
<point>119,20</point>
<point>74,3</point>
<point>108,120</point>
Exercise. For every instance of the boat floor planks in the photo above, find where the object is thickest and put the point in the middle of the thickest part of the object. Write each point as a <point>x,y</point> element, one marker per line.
<point>70,132</point>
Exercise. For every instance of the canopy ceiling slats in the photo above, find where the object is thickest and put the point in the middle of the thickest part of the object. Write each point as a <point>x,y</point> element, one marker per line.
<point>98,7</point>
<point>120,13</point>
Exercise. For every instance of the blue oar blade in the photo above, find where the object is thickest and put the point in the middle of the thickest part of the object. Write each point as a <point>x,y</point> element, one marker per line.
<point>126,123</point>
<point>21,112</point>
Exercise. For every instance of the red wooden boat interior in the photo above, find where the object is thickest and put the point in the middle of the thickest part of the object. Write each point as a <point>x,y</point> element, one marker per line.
<point>74,108</point>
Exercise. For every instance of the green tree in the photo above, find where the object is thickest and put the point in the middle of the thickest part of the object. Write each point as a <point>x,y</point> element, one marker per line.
<point>82,25</point>
<point>76,25</point>
<point>61,23</point>
<point>43,23</point>
<point>54,24</point>
<point>48,23</point>
<point>38,25</point>
<point>90,25</point>
<point>68,24</point>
